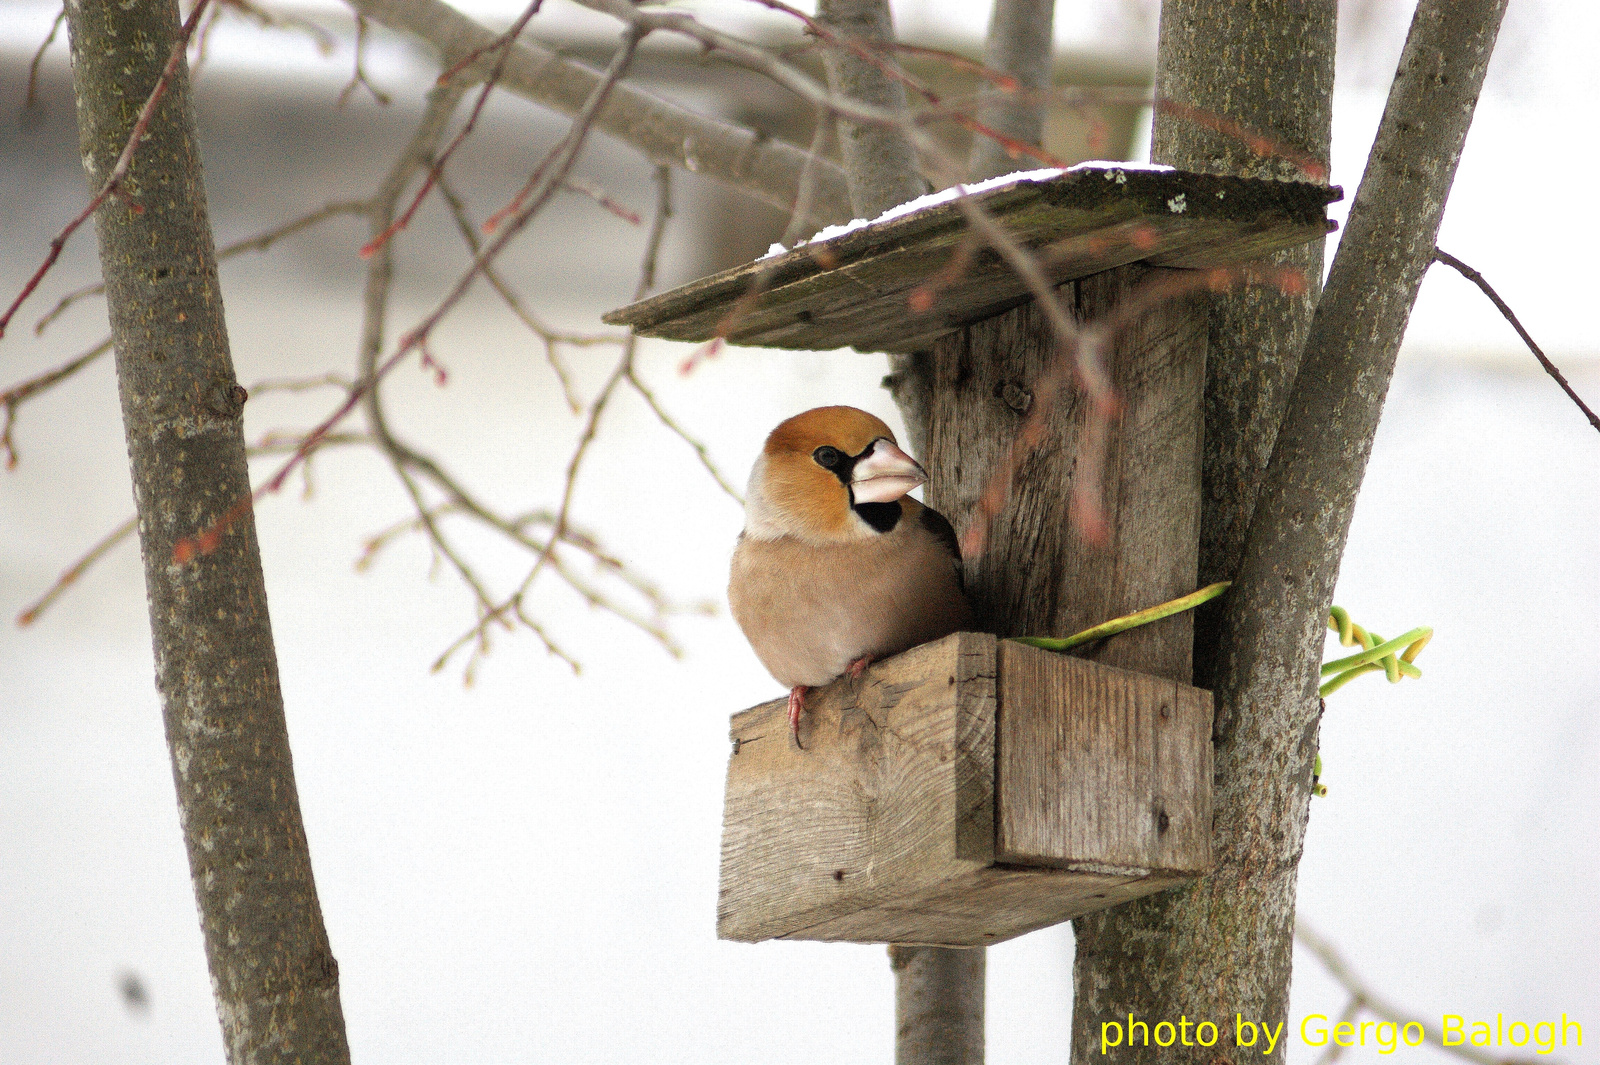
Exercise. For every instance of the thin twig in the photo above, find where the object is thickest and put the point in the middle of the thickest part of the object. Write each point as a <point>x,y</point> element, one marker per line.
<point>700,450</point>
<point>808,173</point>
<point>502,44</point>
<point>601,198</point>
<point>299,384</point>
<point>938,108</point>
<point>14,397</point>
<point>113,182</point>
<point>647,273</point>
<point>325,41</point>
<point>1338,968</point>
<point>76,570</point>
<point>260,242</point>
<point>998,79</point>
<point>408,461</point>
<point>358,77</point>
<point>547,336</point>
<point>442,102</point>
<point>1263,145</point>
<point>1442,256</point>
<point>31,98</point>
<point>73,573</point>
<point>202,39</point>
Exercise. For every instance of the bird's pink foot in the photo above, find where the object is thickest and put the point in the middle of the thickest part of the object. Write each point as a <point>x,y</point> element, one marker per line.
<point>859,666</point>
<point>797,703</point>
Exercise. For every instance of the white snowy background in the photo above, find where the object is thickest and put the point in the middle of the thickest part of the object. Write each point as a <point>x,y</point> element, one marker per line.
<point>525,870</point>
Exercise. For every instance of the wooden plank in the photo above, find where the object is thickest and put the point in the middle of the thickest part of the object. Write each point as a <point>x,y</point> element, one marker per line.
<point>1037,575</point>
<point>1100,766</point>
<point>983,907</point>
<point>901,822</point>
<point>892,796</point>
<point>1151,480</point>
<point>852,290</point>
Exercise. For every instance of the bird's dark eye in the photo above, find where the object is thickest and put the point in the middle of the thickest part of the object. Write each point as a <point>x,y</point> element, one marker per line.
<point>826,457</point>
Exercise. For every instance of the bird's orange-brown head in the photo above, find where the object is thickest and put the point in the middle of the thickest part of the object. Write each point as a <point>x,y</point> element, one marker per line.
<point>825,476</point>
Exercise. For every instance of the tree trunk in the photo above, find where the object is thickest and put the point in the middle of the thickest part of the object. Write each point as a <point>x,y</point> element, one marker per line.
<point>939,991</point>
<point>1019,43</point>
<point>1271,72</point>
<point>1245,65</point>
<point>275,979</point>
<point>880,165</point>
<point>938,1005</point>
<point>1220,950</point>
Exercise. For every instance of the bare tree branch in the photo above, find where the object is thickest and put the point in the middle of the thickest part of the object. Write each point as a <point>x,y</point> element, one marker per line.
<point>1364,999</point>
<point>560,526</point>
<point>1442,256</point>
<point>70,575</point>
<point>1018,46</point>
<point>666,133</point>
<point>119,171</point>
<point>358,75</point>
<point>672,425</point>
<point>260,242</point>
<point>14,397</point>
<point>31,98</point>
<point>550,338</point>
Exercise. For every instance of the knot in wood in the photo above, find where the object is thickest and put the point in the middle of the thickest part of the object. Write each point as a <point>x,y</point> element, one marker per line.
<point>226,399</point>
<point>1014,396</point>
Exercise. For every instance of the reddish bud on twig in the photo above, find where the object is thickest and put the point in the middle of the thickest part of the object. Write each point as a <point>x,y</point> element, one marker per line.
<point>441,376</point>
<point>706,351</point>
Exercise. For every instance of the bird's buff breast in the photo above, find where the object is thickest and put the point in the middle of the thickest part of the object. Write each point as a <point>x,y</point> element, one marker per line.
<point>809,611</point>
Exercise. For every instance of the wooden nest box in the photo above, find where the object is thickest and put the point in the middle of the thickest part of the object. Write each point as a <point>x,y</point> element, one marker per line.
<point>974,789</point>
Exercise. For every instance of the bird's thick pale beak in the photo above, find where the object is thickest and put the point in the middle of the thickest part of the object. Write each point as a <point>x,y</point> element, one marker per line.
<point>885,474</point>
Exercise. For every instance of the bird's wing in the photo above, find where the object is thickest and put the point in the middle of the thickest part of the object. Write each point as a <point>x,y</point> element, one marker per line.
<point>938,525</point>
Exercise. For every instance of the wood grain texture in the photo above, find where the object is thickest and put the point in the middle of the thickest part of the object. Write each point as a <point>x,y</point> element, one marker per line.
<point>853,290</point>
<point>1038,577</point>
<point>1100,767</point>
<point>1152,480</point>
<point>891,797</point>
<point>884,828</point>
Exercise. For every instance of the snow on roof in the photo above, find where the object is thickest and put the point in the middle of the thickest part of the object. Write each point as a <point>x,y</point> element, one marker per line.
<point>933,199</point>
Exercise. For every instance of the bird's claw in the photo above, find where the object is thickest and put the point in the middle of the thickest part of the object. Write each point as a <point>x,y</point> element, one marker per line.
<point>859,666</point>
<point>797,703</point>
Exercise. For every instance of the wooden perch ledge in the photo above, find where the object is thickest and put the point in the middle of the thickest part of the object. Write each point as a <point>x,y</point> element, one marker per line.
<point>854,289</point>
<point>962,793</point>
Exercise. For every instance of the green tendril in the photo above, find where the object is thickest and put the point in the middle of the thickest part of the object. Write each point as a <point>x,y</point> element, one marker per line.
<point>1127,621</point>
<point>1376,653</point>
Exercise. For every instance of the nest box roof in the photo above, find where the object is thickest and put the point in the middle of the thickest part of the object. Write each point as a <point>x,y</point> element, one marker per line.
<point>856,289</point>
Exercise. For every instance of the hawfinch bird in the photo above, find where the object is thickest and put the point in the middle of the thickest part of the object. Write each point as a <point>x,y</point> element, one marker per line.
<point>836,565</point>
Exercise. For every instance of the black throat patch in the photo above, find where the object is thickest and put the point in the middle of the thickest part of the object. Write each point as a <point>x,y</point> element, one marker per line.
<point>883,517</point>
